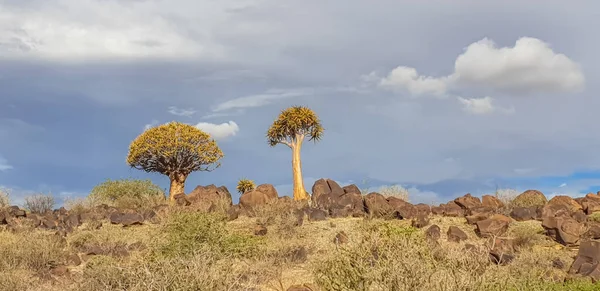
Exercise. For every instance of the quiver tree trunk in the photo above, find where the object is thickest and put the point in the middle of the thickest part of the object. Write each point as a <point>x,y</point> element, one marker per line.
<point>177,185</point>
<point>299,191</point>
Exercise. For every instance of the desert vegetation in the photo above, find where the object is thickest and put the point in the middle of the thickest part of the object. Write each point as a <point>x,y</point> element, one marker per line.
<point>276,243</point>
<point>129,234</point>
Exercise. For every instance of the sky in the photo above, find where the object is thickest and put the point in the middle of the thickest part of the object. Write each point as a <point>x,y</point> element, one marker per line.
<point>441,97</point>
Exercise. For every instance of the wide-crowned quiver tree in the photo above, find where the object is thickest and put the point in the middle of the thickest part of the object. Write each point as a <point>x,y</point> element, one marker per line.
<point>174,149</point>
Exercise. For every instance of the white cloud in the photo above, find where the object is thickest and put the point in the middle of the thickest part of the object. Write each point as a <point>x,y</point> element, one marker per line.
<point>181,112</point>
<point>417,196</point>
<point>477,105</point>
<point>151,124</point>
<point>4,165</point>
<point>562,185</point>
<point>112,29</point>
<point>530,66</point>
<point>219,131</point>
<point>261,99</point>
<point>405,78</point>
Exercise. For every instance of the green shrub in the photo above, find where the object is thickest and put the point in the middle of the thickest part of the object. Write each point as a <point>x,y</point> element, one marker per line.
<point>128,193</point>
<point>594,217</point>
<point>528,200</point>
<point>190,233</point>
<point>39,203</point>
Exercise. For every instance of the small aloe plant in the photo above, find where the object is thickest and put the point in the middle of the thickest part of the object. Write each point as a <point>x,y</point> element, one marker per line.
<point>245,185</point>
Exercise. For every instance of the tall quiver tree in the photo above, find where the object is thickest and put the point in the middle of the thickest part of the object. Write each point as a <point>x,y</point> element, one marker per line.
<point>174,149</point>
<point>290,128</point>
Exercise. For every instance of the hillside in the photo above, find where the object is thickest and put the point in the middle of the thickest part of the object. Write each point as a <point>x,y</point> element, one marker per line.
<point>344,241</point>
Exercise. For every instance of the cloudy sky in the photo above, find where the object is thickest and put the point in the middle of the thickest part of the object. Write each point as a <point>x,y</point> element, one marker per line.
<point>442,97</point>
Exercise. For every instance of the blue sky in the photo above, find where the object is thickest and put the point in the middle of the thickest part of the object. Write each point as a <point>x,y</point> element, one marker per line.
<point>442,97</point>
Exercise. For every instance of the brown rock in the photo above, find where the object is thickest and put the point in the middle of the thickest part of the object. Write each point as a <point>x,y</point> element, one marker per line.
<point>467,201</point>
<point>473,219</point>
<point>433,233</point>
<point>587,261</point>
<point>566,201</point>
<point>299,255</point>
<point>351,189</point>
<point>564,230</point>
<point>420,221</point>
<point>579,216</point>
<point>526,213</point>
<point>315,214</point>
<point>481,210</point>
<point>233,212</point>
<point>491,202</point>
<point>501,258</point>
<point>263,194</point>
<point>593,231</point>
<point>437,210</point>
<point>203,197</point>
<point>73,220</point>
<point>328,195</point>
<point>181,200</point>
<point>558,263</point>
<point>496,225</point>
<point>451,209</point>
<point>74,260</point>
<point>423,208</point>
<point>340,238</point>
<point>401,208</point>
<point>125,218</point>
<point>260,230</point>
<point>455,234</point>
<point>590,203</point>
<point>94,250</point>
<point>285,199</point>
<point>377,206</point>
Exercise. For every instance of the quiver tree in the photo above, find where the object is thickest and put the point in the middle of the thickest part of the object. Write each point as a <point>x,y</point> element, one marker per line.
<point>245,185</point>
<point>290,128</point>
<point>174,149</point>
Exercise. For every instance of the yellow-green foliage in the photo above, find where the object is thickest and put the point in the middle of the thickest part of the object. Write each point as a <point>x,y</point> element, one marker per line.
<point>594,217</point>
<point>245,185</point>
<point>174,148</point>
<point>127,193</point>
<point>529,200</point>
<point>190,233</point>
<point>296,120</point>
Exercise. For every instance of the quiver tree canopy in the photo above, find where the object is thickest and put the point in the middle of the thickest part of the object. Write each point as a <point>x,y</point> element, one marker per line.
<point>293,124</point>
<point>174,149</point>
<point>290,128</point>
